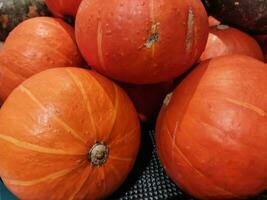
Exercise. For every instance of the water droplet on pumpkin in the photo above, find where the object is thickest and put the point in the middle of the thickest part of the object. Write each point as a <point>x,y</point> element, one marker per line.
<point>108,32</point>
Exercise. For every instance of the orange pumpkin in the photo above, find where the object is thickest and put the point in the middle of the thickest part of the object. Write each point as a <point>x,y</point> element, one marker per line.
<point>213,21</point>
<point>33,46</point>
<point>141,41</point>
<point>212,133</point>
<point>148,98</point>
<point>63,8</point>
<point>65,134</point>
<point>224,40</point>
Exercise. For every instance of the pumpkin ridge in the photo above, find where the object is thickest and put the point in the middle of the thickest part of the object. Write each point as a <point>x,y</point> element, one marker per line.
<point>53,176</point>
<point>36,148</point>
<point>82,182</point>
<point>115,113</point>
<point>123,138</point>
<point>190,31</point>
<point>103,178</point>
<point>54,25</point>
<point>51,49</point>
<point>218,129</point>
<point>86,101</point>
<point>154,29</point>
<point>114,170</point>
<point>120,158</point>
<point>100,45</point>
<point>248,106</point>
<point>101,87</point>
<point>68,129</point>
<point>11,71</point>
<point>186,107</point>
<point>197,170</point>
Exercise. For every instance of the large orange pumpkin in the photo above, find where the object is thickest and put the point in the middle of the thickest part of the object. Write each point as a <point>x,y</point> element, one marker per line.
<point>141,41</point>
<point>212,133</point>
<point>63,8</point>
<point>65,134</point>
<point>33,46</point>
<point>224,40</point>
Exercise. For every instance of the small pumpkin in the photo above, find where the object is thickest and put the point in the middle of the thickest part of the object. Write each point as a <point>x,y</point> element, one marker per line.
<point>65,134</point>
<point>148,98</point>
<point>33,46</point>
<point>141,42</point>
<point>63,8</point>
<point>211,134</point>
<point>13,12</point>
<point>224,40</point>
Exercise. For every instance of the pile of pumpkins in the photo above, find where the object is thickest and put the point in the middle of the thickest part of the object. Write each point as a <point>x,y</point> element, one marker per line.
<point>73,96</point>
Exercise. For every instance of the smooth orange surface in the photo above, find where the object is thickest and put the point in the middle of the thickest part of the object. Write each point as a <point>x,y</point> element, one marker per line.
<point>224,40</point>
<point>211,136</point>
<point>47,127</point>
<point>114,37</point>
<point>33,46</point>
<point>61,8</point>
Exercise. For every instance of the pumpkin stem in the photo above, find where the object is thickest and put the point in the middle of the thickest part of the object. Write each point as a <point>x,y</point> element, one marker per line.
<point>98,154</point>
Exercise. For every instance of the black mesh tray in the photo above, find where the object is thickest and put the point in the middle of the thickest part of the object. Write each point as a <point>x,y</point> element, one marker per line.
<point>148,180</point>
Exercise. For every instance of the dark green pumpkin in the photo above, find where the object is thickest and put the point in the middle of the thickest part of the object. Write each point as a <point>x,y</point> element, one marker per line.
<point>248,15</point>
<point>12,12</point>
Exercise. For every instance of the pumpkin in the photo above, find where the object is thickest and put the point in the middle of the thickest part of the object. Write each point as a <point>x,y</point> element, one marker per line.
<point>141,42</point>
<point>63,8</point>
<point>13,12</point>
<point>212,132</point>
<point>213,21</point>
<point>224,40</point>
<point>148,98</point>
<point>33,46</point>
<point>247,15</point>
<point>65,134</point>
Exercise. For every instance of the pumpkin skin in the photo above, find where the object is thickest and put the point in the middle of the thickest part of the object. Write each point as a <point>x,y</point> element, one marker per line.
<point>33,46</point>
<point>224,40</point>
<point>63,8</point>
<point>148,99</point>
<point>211,134</point>
<point>162,47</point>
<point>213,21</point>
<point>13,12</point>
<point>247,15</point>
<point>67,111</point>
